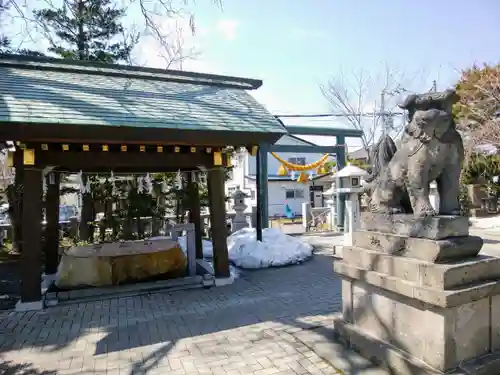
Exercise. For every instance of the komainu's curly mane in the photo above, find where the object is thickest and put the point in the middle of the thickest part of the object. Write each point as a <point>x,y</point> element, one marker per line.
<point>381,154</point>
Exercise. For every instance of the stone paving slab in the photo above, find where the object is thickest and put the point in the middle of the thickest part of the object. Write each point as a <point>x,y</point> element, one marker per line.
<point>346,361</point>
<point>245,328</point>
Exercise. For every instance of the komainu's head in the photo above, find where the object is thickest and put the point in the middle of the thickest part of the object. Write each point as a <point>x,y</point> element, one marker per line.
<point>432,100</point>
<point>428,124</point>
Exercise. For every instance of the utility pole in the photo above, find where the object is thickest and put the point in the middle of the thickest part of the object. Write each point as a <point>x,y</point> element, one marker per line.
<point>382,113</point>
<point>386,124</point>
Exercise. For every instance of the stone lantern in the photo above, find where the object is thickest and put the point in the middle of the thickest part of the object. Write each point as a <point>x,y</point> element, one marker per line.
<point>239,207</point>
<point>350,180</point>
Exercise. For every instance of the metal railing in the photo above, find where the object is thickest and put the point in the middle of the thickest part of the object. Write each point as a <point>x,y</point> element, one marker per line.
<point>319,220</point>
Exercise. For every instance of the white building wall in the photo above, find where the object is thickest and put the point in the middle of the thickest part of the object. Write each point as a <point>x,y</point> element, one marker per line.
<point>71,199</point>
<point>245,165</point>
<point>278,199</point>
<point>273,164</point>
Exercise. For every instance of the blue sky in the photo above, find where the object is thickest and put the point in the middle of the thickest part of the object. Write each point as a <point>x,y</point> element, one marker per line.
<point>296,45</point>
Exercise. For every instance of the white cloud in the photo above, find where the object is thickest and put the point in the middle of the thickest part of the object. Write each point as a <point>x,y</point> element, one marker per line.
<point>228,28</point>
<point>182,46</point>
<point>269,99</point>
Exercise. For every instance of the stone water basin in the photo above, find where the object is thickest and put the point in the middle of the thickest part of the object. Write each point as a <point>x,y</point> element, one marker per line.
<point>116,263</point>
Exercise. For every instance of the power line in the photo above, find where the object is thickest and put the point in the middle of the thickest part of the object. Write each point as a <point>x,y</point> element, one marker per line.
<point>364,114</point>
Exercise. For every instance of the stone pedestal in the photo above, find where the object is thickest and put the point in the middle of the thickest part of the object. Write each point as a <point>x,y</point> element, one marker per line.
<point>418,299</point>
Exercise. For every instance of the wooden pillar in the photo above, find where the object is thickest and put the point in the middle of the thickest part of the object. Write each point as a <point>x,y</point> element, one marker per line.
<point>258,183</point>
<point>51,248</point>
<point>31,237</point>
<point>340,197</point>
<point>262,191</point>
<point>216,195</point>
<point>16,199</point>
<point>195,213</point>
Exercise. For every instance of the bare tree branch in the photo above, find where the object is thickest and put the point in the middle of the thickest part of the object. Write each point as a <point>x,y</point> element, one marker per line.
<point>355,97</point>
<point>154,14</point>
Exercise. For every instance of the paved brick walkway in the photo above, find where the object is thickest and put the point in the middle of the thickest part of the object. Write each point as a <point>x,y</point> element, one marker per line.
<point>245,328</point>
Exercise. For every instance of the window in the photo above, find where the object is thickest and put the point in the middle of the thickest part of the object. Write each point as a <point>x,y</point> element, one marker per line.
<point>231,190</point>
<point>294,194</point>
<point>297,160</point>
<point>299,193</point>
<point>252,194</point>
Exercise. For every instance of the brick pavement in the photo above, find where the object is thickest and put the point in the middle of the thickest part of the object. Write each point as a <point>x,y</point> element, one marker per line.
<point>245,328</point>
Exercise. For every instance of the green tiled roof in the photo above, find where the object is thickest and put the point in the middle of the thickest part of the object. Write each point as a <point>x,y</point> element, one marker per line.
<point>50,91</point>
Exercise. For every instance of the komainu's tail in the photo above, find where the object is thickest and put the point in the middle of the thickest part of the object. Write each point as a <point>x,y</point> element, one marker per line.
<point>381,155</point>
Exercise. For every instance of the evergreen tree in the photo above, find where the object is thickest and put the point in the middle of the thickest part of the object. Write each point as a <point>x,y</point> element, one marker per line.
<point>86,30</point>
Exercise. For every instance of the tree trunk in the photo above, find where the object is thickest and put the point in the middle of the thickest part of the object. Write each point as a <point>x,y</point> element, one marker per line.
<point>81,34</point>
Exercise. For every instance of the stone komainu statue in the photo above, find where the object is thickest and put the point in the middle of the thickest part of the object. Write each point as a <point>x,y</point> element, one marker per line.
<point>431,149</point>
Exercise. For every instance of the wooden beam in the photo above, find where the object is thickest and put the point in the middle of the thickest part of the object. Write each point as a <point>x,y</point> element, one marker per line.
<point>149,135</point>
<point>306,149</point>
<point>106,171</point>
<point>195,213</point>
<point>51,246</point>
<point>216,179</point>
<point>31,237</point>
<point>323,130</point>
<point>98,160</point>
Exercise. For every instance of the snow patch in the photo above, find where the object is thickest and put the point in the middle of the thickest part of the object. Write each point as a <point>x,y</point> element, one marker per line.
<point>276,249</point>
<point>207,247</point>
<point>490,223</point>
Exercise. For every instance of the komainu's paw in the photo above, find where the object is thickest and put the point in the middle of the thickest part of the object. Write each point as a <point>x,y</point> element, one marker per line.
<point>384,209</point>
<point>425,210</point>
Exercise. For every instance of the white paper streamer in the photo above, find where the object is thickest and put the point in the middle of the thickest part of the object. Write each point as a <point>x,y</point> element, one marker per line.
<point>140,185</point>
<point>178,180</point>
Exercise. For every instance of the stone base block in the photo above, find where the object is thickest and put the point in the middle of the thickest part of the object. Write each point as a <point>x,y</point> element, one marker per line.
<point>417,297</point>
<point>29,306</point>
<point>221,281</point>
<point>338,251</point>
<point>432,227</point>
<point>376,322</point>
<point>435,251</point>
<point>417,293</point>
<point>399,362</point>
<point>431,275</point>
